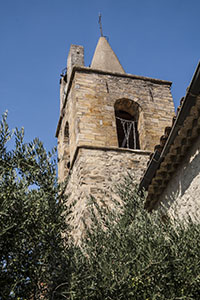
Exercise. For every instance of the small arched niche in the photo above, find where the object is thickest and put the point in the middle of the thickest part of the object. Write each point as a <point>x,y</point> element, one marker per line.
<point>66,132</point>
<point>127,116</point>
<point>66,154</point>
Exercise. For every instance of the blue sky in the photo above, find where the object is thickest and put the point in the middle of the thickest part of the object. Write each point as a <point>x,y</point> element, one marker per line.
<point>156,38</point>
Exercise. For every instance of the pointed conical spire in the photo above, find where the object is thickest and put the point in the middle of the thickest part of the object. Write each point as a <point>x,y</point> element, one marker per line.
<point>105,59</point>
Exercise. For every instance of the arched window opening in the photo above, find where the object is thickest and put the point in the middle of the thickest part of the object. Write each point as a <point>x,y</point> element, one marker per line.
<point>66,132</point>
<point>66,154</point>
<point>126,114</point>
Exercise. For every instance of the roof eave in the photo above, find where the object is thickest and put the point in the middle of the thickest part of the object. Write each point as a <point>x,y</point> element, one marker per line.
<point>192,93</point>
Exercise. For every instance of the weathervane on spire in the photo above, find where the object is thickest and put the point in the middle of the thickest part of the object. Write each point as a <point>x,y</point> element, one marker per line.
<point>100,24</point>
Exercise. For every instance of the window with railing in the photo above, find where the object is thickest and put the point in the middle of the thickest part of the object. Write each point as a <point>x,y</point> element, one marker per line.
<point>126,124</point>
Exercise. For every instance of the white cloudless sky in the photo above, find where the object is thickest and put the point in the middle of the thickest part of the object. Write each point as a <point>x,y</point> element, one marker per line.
<point>154,38</point>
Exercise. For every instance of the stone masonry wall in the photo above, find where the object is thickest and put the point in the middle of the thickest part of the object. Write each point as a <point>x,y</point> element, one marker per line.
<point>90,152</point>
<point>91,115</point>
<point>63,144</point>
<point>94,98</point>
<point>181,197</point>
<point>95,172</point>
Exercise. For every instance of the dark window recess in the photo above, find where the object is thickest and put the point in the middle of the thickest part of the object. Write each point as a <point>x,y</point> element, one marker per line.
<point>127,130</point>
<point>66,131</point>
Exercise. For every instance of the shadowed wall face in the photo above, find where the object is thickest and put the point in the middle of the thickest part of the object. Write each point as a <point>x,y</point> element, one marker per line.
<point>181,197</point>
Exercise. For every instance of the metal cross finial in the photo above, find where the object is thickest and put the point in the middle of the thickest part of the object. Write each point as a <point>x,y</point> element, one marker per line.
<point>100,24</point>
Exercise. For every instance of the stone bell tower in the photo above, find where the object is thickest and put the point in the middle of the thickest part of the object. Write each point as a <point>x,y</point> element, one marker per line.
<point>109,123</point>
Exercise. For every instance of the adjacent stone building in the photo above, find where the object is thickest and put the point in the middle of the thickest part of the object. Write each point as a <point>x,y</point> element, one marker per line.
<point>172,177</point>
<point>110,122</point>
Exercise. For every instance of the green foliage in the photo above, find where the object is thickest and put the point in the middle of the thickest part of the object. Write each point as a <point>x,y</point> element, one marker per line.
<point>127,253</point>
<point>132,254</point>
<point>31,248</point>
